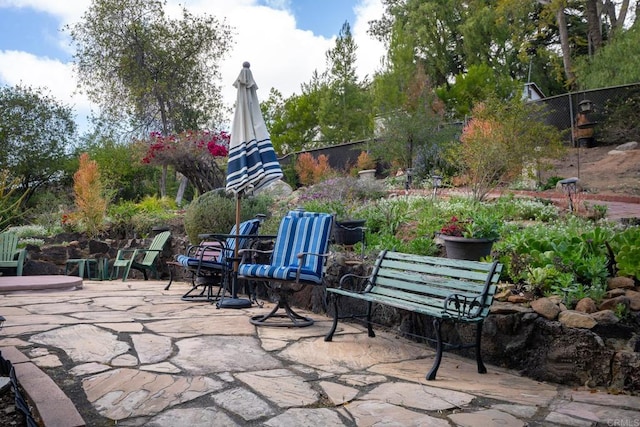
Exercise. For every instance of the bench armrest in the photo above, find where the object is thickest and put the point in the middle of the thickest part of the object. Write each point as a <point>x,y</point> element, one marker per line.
<point>355,283</point>
<point>464,306</point>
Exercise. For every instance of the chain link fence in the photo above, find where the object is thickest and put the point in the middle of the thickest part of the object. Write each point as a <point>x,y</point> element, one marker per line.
<point>564,110</point>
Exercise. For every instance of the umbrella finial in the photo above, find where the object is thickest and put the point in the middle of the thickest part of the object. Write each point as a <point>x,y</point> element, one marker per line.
<point>246,64</point>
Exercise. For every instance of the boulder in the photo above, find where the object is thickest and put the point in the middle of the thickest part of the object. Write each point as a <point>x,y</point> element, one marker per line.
<point>545,308</point>
<point>40,268</point>
<point>500,307</point>
<point>575,319</point>
<point>620,283</point>
<point>277,189</point>
<point>605,317</point>
<point>634,300</point>
<point>610,304</point>
<point>517,299</point>
<point>625,371</point>
<point>546,350</point>
<point>586,305</point>
<point>632,145</point>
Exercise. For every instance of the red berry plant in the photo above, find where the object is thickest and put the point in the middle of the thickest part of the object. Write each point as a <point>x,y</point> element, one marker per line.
<point>195,154</point>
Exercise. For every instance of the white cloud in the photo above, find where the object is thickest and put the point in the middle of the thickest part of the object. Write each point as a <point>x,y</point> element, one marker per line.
<point>281,55</point>
<point>22,68</point>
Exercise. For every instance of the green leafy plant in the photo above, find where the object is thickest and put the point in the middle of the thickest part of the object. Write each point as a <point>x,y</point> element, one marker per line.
<point>626,246</point>
<point>621,311</point>
<point>215,212</point>
<point>9,200</point>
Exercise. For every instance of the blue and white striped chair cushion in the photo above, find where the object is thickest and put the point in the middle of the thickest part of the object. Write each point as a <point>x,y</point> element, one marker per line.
<point>219,261</point>
<point>299,232</point>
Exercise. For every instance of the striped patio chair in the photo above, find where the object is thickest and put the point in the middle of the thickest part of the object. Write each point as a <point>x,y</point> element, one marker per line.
<point>211,262</point>
<point>298,259</point>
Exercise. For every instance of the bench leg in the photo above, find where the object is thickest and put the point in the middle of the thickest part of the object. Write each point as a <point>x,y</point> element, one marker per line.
<point>481,368</point>
<point>369,324</point>
<point>329,336</point>
<point>436,363</point>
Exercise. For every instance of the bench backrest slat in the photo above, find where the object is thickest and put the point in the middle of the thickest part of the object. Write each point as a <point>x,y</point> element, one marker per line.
<point>428,281</point>
<point>443,289</point>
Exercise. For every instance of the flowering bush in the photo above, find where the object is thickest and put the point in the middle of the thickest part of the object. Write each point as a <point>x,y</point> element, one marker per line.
<point>194,154</point>
<point>165,148</point>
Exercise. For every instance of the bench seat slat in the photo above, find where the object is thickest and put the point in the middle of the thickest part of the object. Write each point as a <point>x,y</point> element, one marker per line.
<point>413,306</point>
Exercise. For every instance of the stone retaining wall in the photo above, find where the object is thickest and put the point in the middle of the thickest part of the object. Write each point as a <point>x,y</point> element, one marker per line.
<point>515,336</point>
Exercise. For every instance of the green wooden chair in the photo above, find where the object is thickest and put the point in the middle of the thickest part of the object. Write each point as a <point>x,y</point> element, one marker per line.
<point>140,259</point>
<point>10,255</point>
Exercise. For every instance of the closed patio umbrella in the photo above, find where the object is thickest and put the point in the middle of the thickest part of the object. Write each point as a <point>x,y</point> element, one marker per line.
<point>253,164</point>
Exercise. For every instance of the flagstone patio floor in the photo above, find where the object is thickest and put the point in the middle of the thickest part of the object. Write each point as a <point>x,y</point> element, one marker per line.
<point>135,354</point>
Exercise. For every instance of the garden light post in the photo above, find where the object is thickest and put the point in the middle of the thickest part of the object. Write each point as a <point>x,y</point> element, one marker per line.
<point>570,188</point>
<point>409,178</point>
<point>436,180</point>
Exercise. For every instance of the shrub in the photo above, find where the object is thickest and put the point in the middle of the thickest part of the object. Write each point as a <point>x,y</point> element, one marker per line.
<point>9,201</point>
<point>91,204</point>
<point>47,208</point>
<point>365,161</point>
<point>27,231</point>
<point>499,140</point>
<point>215,212</point>
<point>311,170</point>
<point>340,196</point>
<point>121,219</point>
<point>129,219</point>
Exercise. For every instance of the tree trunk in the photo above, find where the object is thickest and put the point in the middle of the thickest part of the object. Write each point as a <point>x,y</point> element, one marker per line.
<point>184,181</point>
<point>163,181</point>
<point>594,23</point>
<point>564,43</point>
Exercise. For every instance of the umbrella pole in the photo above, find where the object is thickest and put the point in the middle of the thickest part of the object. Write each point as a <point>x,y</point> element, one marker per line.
<point>234,301</point>
<point>236,261</point>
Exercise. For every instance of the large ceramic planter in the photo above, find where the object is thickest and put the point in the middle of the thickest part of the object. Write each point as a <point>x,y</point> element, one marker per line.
<point>367,174</point>
<point>466,248</point>
<point>348,232</point>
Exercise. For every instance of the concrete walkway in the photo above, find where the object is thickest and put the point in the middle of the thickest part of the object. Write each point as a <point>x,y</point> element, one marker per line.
<point>134,354</point>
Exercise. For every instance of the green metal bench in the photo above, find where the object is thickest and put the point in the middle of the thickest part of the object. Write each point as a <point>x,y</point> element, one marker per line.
<point>442,288</point>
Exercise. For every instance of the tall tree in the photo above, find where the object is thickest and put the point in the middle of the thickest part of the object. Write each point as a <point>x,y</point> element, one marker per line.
<point>161,73</point>
<point>344,113</point>
<point>36,132</point>
<point>623,51</point>
<point>293,122</point>
<point>415,129</point>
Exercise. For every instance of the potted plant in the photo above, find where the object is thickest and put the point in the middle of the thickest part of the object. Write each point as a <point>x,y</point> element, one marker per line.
<point>471,238</point>
<point>366,166</point>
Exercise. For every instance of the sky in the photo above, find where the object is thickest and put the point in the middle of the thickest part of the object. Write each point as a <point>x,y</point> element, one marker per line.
<point>284,40</point>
